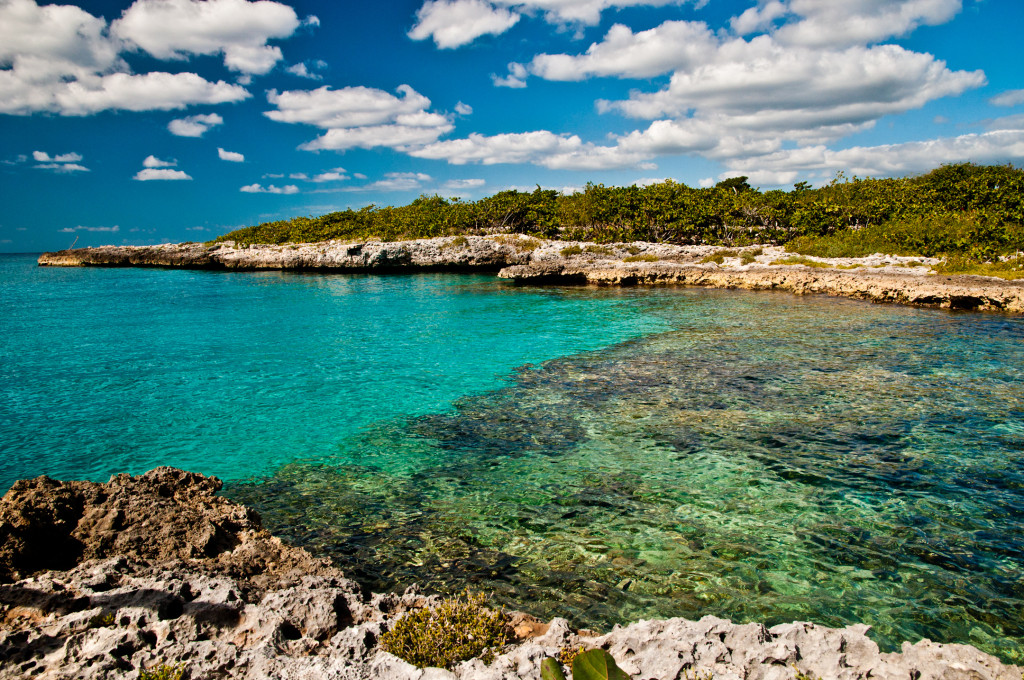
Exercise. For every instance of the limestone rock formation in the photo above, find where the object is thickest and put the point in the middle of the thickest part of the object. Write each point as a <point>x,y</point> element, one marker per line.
<point>530,261</point>
<point>458,253</point>
<point>110,580</point>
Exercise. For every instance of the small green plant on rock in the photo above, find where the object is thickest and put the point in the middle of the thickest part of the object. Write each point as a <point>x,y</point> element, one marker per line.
<point>456,630</point>
<point>105,620</point>
<point>800,675</point>
<point>566,655</point>
<point>598,250</point>
<point>457,242</point>
<point>719,257</point>
<point>806,261</point>
<point>163,672</point>
<point>698,675</point>
<point>749,256</point>
<point>641,258</point>
<point>596,664</point>
<point>571,250</point>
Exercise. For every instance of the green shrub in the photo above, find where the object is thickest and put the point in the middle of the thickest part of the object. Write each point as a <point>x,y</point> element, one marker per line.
<point>457,242</point>
<point>1011,269</point>
<point>718,257</point>
<point>521,244</point>
<point>163,672</point>
<point>975,212</point>
<point>569,251</point>
<point>749,256</point>
<point>807,262</point>
<point>456,630</point>
<point>104,620</point>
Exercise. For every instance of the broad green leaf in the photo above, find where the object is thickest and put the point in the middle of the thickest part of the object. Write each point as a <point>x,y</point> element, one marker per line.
<point>596,664</point>
<point>551,670</point>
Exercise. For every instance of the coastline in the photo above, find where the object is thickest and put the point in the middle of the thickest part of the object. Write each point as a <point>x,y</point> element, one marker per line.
<point>530,261</point>
<point>157,570</point>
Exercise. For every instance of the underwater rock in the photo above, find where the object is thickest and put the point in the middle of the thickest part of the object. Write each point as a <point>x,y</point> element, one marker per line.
<point>159,572</point>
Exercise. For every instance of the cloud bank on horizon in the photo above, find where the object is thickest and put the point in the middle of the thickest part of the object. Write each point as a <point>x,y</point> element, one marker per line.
<point>421,94</point>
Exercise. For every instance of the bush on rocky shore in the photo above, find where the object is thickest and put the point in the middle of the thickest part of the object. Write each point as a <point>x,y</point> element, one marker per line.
<point>971,211</point>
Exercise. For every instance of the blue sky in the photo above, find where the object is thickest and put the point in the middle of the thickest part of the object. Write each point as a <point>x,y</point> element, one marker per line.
<point>169,120</point>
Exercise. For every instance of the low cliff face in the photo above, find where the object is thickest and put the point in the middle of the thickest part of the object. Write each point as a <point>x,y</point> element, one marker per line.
<point>949,292</point>
<point>459,253</point>
<point>532,261</point>
<point>157,570</point>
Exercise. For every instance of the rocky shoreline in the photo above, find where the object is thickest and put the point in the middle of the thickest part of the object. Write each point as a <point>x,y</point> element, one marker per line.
<point>111,580</point>
<point>530,261</point>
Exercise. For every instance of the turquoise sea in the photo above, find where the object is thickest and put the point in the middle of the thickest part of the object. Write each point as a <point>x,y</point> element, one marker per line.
<point>598,454</point>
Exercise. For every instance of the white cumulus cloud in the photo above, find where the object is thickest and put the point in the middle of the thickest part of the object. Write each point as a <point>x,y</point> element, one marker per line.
<point>154,162</point>
<point>994,147</point>
<point>149,174</point>
<point>395,181</point>
<point>62,168</point>
<point>61,59</point>
<point>335,175</point>
<point>237,29</point>
<point>1008,98</point>
<point>71,230</point>
<point>516,77</point>
<point>624,54</point>
<point>194,126</point>
<point>65,163</point>
<point>540,147</point>
<point>583,11</point>
<point>302,71</point>
<point>828,23</point>
<point>453,23</point>
<point>360,117</point>
<point>456,184</point>
<point>43,157</point>
<point>270,189</point>
<point>232,156</point>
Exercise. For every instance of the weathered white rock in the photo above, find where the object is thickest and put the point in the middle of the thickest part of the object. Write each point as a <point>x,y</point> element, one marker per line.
<point>247,607</point>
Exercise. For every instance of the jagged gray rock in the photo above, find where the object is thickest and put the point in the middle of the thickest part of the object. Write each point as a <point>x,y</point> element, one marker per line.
<point>245,606</point>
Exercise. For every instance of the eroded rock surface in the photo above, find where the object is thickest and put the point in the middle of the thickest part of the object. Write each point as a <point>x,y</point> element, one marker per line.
<point>949,292</point>
<point>458,253</point>
<point>157,570</point>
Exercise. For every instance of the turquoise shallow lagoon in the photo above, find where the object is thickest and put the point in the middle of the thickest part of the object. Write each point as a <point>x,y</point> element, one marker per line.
<point>599,454</point>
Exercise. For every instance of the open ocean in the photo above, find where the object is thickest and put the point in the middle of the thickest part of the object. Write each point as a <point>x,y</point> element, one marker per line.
<point>598,454</point>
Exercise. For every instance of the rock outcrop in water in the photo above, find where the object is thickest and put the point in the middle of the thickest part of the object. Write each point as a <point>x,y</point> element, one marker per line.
<point>454,254</point>
<point>157,570</point>
<point>526,260</point>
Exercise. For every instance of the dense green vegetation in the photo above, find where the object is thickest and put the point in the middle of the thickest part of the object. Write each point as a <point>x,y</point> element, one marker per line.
<point>972,212</point>
<point>456,630</point>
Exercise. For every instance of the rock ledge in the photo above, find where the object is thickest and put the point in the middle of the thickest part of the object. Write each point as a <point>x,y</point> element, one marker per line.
<point>106,580</point>
<point>530,261</point>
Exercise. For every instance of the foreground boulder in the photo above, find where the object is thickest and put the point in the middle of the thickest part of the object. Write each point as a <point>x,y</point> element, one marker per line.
<point>156,571</point>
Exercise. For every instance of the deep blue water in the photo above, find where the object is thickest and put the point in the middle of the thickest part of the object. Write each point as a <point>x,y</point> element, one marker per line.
<point>600,454</point>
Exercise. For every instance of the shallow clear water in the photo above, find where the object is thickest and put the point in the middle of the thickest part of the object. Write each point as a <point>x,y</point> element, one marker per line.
<point>603,455</point>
